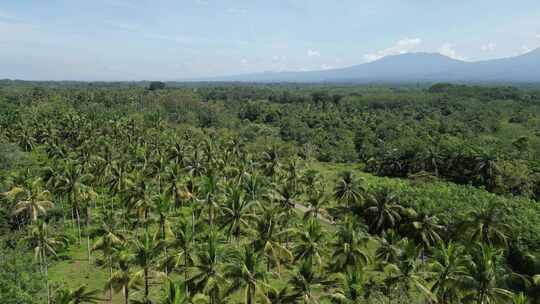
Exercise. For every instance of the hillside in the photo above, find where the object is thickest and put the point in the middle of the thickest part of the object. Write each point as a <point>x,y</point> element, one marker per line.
<point>414,67</point>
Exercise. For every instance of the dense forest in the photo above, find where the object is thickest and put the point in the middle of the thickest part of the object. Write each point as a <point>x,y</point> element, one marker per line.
<point>283,193</point>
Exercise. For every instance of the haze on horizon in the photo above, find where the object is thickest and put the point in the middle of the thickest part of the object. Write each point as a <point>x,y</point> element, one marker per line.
<point>175,40</point>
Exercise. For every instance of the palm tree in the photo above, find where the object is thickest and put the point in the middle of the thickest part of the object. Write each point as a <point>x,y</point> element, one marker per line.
<point>383,210</point>
<point>316,202</point>
<point>286,198</point>
<point>271,162</point>
<point>349,190</point>
<point>311,180</point>
<point>174,294</point>
<point>206,275</point>
<point>390,247</point>
<point>282,296</point>
<point>426,230</point>
<point>484,273</point>
<point>407,273</point>
<point>350,288</point>
<point>310,244</point>
<point>268,238</point>
<point>487,168</point>
<point>109,239</point>
<point>73,184</point>
<point>32,200</point>
<point>44,245</point>
<point>124,278</point>
<point>520,298</point>
<point>449,268</point>
<point>146,250</point>
<point>254,186</point>
<point>143,202</point>
<point>182,249</point>
<point>236,213</point>
<point>245,273</point>
<point>172,184</point>
<point>79,295</point>
<point>210,190</point>
<point>308,284</point>
<point>486,225</point>
<point>162,207</point>
<point>349,251</point>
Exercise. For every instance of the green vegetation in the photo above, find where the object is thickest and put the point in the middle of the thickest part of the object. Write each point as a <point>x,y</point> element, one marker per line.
<point>268,194</point>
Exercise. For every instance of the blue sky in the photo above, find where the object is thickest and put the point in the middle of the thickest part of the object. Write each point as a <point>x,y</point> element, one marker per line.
<point>174,40</point>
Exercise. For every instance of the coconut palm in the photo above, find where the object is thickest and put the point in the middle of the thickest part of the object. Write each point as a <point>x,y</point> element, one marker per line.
<point>236,213</point>
<point>174,294</point>
<point>32,200</point>
<point>245,273</point>
<point>207,273</point>
<point>350,287</point>
<point>182,249</point>
<point>348,190</point>
<point>308,284</point>
<point>312,180</point>
<point>426,229</point>
<point>108,240</point>
<point>271,162</point>
<point>448,266</point>
<point>268,238</point>
<point>310,244</point>
<point>210,190</point>
<point>45,244</point>
<point>486,224</point>
<point>349,248</point>
<point>162,207</point>
<point>390,247</point>
<point>316,202</point>
<point>383,210</point>
<point>79,295</point>
<point>485,274</point>
<point>146,251</point>
<point>407,273</point>
<point>124,278</point>
<point>73,183</point>
<point>282,296</point>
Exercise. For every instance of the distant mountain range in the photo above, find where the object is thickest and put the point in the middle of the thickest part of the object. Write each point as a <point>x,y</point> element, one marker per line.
<point>414,67</point>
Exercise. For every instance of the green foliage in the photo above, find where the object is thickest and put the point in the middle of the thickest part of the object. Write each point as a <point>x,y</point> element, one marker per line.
<point>277,193</point>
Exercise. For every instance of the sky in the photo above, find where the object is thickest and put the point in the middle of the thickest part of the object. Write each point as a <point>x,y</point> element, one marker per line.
<point>184,39</point>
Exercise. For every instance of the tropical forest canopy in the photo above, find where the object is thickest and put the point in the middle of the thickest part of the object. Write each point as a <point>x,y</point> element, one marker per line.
<point>283,193</point>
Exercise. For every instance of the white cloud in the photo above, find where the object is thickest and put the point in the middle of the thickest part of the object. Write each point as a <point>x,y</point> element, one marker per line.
<point>447,49</point>
<point>489,47</point>
<point>537,36</point>
<point>313,53</point>
<point>202,2</point>
<point>401,47</point>
<point>244,61</point>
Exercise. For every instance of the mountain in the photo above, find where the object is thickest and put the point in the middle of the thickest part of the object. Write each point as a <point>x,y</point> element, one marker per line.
<point>413,67</point>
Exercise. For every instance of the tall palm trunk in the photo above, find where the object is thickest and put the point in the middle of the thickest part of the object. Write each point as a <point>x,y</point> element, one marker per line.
<point>46,268</point>
<point>87,224</point>
<point>146,285</point>
<point>78,223</point>
<point>110,278</point>
<point>126,294</point>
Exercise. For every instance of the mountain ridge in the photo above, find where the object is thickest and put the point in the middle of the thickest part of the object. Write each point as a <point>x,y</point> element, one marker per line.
<point>412,67</point>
